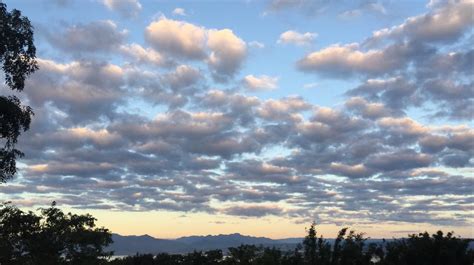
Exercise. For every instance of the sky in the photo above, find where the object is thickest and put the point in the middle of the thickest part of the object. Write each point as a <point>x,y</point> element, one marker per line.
<point>178,118</point>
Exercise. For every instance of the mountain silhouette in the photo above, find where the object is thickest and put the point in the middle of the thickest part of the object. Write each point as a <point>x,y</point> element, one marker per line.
<point>129,245</point>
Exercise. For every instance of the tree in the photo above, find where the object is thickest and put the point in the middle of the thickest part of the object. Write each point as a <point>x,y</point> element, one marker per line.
<point>17,55</point>
<point>214,256</point>
<point>423,249</point>
<point>309,244</point>
<point>316,250</point>
<point>242,255</point>
<point>352,251</point>
<point>50,238</point>
<point>270,256</point>
<point>17,231</point>
<point>336,249</point>
<point>293,257</point>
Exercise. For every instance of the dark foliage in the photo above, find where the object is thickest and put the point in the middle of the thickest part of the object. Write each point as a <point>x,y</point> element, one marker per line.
<point>349,248</point>
<point>56,238</point>
<point>17,56</point>
<point>423,249</point>
<point>50,238</point>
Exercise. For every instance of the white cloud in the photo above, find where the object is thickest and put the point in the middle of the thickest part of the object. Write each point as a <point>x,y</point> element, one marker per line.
<point>222,50</point>
<point>179,11</point>
<point>445,24</point>
<point>350,14</point>
<point>101,35</point>
<point>183,76</point>
<point>294,37</point>
<point>262,82</point>
<point>227,52</point>
<point>142,55</point>
<point>348,59</point>
<point>127,8</point>
<point>178,38</point>
<point>256,44</point>
<point>310,85</point>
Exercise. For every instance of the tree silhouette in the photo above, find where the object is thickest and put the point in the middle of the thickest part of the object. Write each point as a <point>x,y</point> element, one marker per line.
<point>17,55</point>
<point>316,250</point>
<point>352,251</point>
<point>294,257</point>
<point>348,248</point>
<point>244,255</point>
<point>309,244</point>
<point>50,238</point>
<point>270,256</point>
<point>423,249</point>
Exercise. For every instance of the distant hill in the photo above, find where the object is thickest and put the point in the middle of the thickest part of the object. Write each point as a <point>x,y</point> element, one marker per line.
<point>129,245</point>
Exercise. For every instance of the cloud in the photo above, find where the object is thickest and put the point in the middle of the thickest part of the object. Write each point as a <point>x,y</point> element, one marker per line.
<point>395,92</point>
<point>227,53</point>
<point>183,76</point>
<point>294,37</point>
<point>222,50</point>
<point>126,8</point>
<point>263,82</point>
<point>354,171</point>
<point>178,38</point>
<point>417,64</point>
<point>313,8</point>
<point>445,24</point>
<point>307,7</point>
<point>285,109</point>
<point>367,109</point>
<point>142,55</point>
<point>143,127</point>
<point>61,3</point>
<point>456,99</point>
<point>133,160</point>
<point>348,60</point>
<point>310,85</point>
<point>80,89</point>
<point>96,36</point>
<point>81,169</point>
<point>179,12</point>
<point>257,171</point>
<point>256,44</point>
<point>253,210</point>
<point>403,159</point>
<point>364,7</point>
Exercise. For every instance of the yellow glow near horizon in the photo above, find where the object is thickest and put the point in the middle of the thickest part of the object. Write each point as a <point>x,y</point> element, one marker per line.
<point>164,224</point>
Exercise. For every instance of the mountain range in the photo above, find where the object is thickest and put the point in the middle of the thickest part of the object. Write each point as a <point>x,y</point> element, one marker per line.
<point>129,245</point>
<point>145,244</point>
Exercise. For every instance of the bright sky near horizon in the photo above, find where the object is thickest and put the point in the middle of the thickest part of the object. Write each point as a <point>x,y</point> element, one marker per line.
<point>177,118</point>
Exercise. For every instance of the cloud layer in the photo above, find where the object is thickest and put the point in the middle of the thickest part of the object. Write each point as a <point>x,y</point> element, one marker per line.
<point>222,50</point>
<point>167,124</point>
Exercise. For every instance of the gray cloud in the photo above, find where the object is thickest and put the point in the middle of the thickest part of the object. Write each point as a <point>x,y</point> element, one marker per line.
<point>444,24</point>
<point>81,89</point>
<point>420,63</point>
<point>188,144</point>
<point>126,8</point>
<point>253,211</point>
<point>221,50</point>
<point>349,60</point>
<point>96,36</point>
<point>313,8</point>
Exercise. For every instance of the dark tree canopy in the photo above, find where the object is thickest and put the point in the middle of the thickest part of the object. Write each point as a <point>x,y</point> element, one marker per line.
<point>50,238</point>
<point>348,248</point>
<point>17,56</point>
<point>423,249</point>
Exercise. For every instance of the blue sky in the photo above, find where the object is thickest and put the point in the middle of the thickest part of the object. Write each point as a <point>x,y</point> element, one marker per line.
<point>240,114</point>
